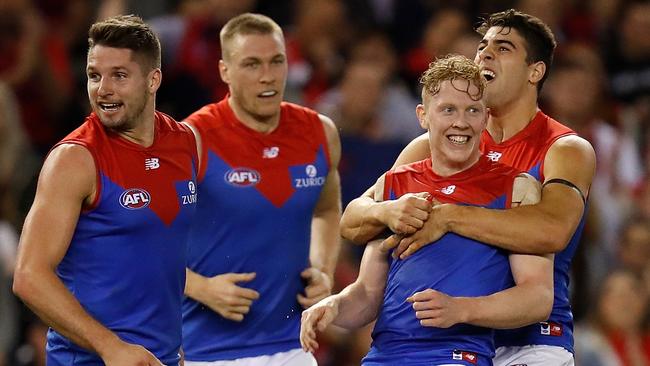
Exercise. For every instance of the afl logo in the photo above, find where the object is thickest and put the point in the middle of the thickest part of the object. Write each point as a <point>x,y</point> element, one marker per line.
<point>135,198</point>
<point>242,177</point>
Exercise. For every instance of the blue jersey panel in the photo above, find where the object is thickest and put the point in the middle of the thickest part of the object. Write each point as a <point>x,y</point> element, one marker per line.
<point>254,235</point>
<point>125,266</point>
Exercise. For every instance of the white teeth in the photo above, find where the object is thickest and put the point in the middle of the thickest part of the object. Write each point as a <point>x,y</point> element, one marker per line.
<point>489,75</point>
<point>458,139</point>
<point>269,93</point>
<point>109,106</point>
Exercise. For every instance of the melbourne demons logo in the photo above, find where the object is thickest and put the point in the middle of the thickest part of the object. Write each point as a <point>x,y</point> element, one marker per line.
<point>242,177</point>
<point>135,198</point>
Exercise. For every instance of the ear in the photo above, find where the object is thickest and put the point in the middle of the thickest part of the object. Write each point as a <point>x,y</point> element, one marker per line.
<point>223,71</point>
<point>420,112</point>
<point>537,72</point>
<point>155,78</point>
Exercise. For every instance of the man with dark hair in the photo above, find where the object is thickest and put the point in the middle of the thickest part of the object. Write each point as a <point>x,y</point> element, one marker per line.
<point>102,255</point>
<point>266,238</point>
<point>514,56</point>
<point>457,284</point>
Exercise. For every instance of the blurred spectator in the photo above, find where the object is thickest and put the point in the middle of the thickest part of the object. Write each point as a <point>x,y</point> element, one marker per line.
<point>615,335</point>
<point>628,53</point>
<point>191,52</point>
<point>315,45</point>
<point>393,108</point>
<point>18,164</point>
<point>634,247</point>
<point>466,44</point>
<point>144,9</point>
<point>440,34</point>
<point>35,64</point>
<point>576,95</point>
<point>552,12</point>
<point>8,304</point>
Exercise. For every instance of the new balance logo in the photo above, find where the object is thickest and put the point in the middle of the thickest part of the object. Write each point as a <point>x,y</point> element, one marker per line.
<point>448,190</point>
<point>494,156</point>
<point>151,163</point>
<point>270,152</point>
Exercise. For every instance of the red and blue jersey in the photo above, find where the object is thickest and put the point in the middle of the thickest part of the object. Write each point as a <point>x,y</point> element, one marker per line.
<point>126,260</point>
<point>455,265</point>
<point>526,151</point>
<point>257,193</point>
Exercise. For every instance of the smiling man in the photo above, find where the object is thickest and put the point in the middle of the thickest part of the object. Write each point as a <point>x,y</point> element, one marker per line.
<point>102,254</point>
<point>515,56</point>
<point>266,239</point>
<point>436,308</point>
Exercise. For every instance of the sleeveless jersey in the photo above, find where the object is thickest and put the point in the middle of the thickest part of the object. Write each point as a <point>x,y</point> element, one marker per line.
<point>454,265</point>
<point>126,260</point>
<point>526,151</point>
<point>257,196</point>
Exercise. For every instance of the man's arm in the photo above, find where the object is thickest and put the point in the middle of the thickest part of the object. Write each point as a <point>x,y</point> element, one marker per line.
<point>357,305</point>
<point>571,159</point>
<point>325,238</point>
<point>221,293</point>
<point>529,301</point>
<point>67,181</point>
<point>366,217</point>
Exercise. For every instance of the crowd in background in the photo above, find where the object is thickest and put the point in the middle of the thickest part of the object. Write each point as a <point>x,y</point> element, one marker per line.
<point>358,62</point>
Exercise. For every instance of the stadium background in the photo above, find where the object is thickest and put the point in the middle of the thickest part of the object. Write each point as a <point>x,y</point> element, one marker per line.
<point>358,61</point>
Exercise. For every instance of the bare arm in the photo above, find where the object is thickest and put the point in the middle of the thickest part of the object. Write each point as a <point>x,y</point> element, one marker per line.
<point>221,293</point>
<point>366,217</point>
<point>199,145</point>
<point>66,182</point>
<point>355,306</point>
<point>529,301</point>
<point>325,238</point>
<point>559,212</point>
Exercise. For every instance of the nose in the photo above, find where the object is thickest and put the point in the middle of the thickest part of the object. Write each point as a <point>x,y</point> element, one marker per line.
<point>460,123</point>
<point>105,87</point>
<point>484,54</point>
<point>267,74</point>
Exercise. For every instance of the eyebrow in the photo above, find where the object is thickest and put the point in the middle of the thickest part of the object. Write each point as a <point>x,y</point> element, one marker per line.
<point>113,69</point>
<point>498,42</point>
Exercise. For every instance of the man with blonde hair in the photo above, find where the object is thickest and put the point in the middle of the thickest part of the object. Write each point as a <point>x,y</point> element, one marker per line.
<point>437,307</point>
<point>266,238</point>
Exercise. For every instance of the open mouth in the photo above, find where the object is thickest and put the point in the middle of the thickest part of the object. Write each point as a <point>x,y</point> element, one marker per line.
<point>109,107</point>
<point>458,139</point>
<point>488,75</point>
<point>268,94</point>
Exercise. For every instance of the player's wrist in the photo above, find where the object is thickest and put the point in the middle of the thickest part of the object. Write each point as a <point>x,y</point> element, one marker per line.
<point>446,215</point>
<point>106,344</point>
<point>195,286</point>
<point>380,212</point>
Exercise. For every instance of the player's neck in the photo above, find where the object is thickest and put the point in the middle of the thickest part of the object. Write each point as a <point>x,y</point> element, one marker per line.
<point>260,124</point>
<point>143,133</point>
<point>508,120</point>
